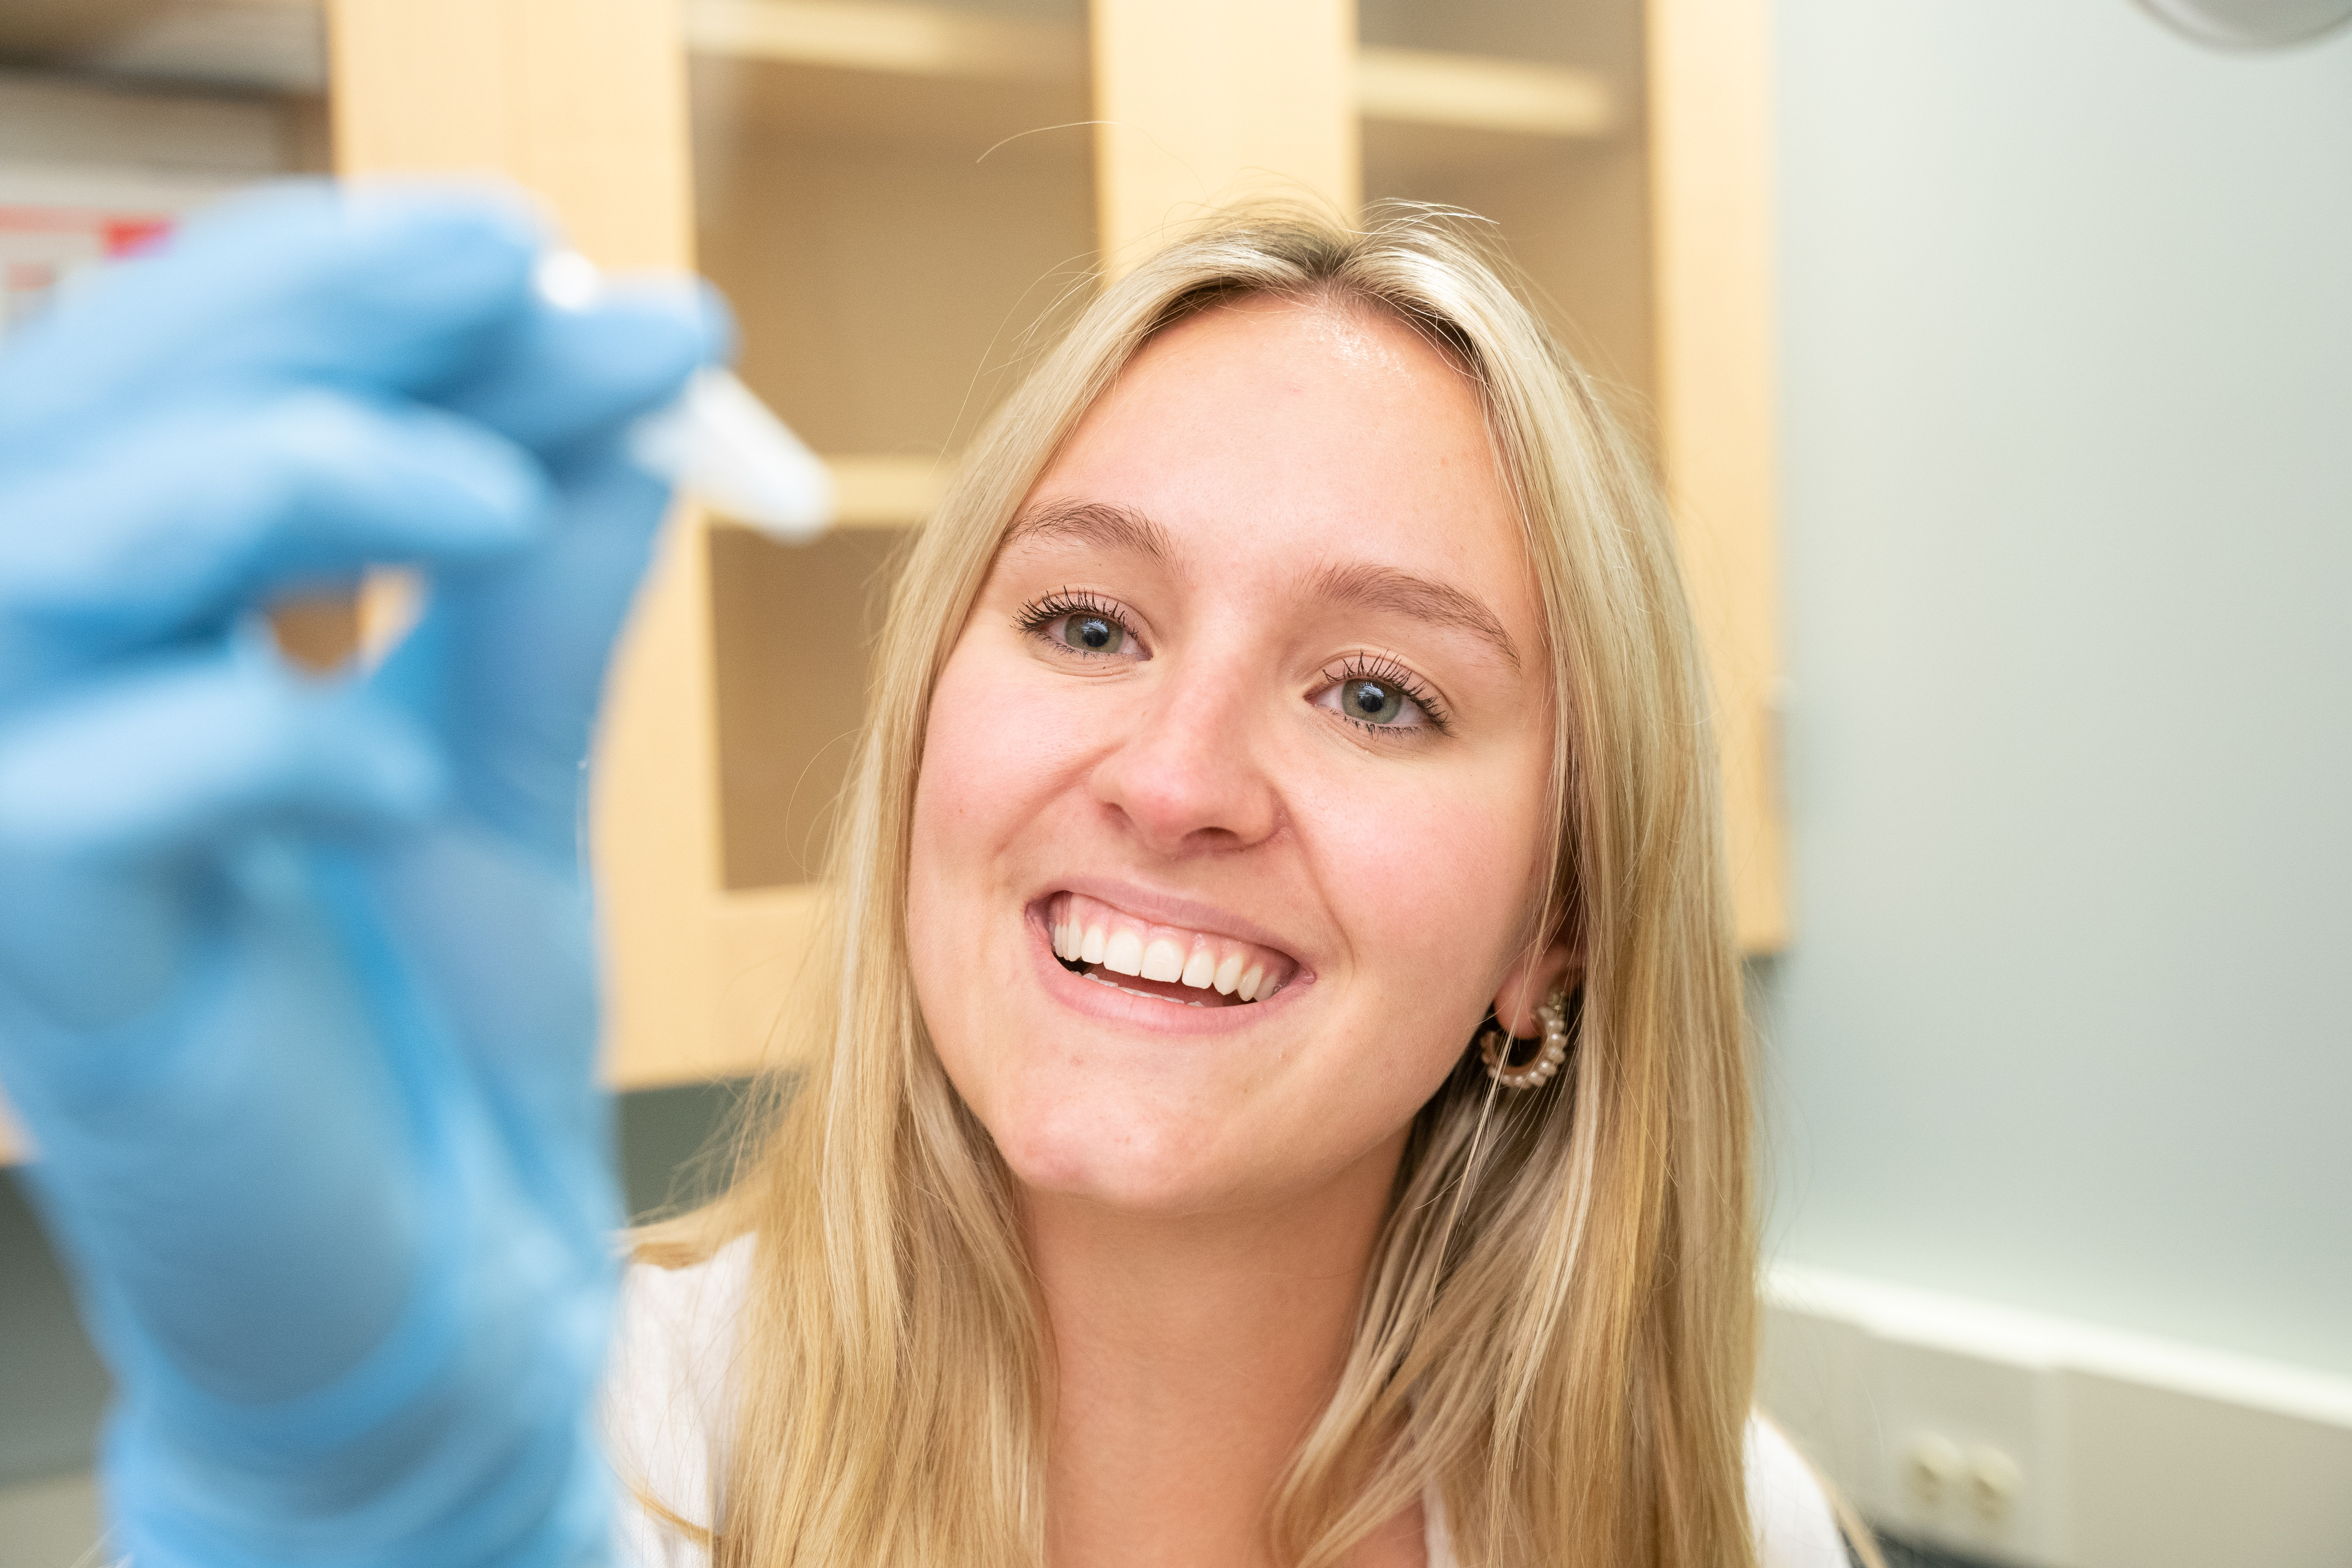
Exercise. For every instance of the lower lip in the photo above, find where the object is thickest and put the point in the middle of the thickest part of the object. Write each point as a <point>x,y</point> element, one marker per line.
<point>1113,1005</point>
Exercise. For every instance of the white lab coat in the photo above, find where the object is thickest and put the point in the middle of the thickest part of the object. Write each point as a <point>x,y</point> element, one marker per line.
<point>668,1413</point>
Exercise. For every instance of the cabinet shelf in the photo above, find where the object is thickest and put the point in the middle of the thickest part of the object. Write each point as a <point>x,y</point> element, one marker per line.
<point>885,492</point>
<point>1418,87</point>
<point>888,38</point>
<point>877,492</point>
<point>1472,92</point>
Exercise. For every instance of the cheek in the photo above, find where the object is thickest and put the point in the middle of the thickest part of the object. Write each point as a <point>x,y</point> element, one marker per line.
<point>962,812</point>
<point>1431,877</point>
<point>995,759</point>
<point>991,755</point>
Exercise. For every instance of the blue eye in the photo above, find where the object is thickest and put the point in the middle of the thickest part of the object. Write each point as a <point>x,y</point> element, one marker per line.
<point>1379,694</point>
<point>1373,701</point>
<point>1080,623</point>
<point>1094,633</point>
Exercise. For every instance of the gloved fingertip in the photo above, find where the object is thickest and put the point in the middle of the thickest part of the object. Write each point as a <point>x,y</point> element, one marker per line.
<point>397,241</point>
<point>388,768</point>
<point>718,323</point>
<point>304,201</point>
<point>683,322</point>
<point>502,498</point>
<point>458,490</point>
<point>481,211</point>
<point>410,781</point>
<point>582,370</point>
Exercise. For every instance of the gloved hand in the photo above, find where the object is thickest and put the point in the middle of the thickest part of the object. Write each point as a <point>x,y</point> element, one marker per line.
<point>297,978</point>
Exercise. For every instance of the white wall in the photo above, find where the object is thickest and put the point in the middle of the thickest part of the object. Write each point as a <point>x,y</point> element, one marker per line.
<point>2067,335</point>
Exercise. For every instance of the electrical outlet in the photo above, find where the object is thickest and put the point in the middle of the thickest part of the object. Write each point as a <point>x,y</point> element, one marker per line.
<point>2037,1442</point>
<point>1971,1494</point>
<point>1969,1451</point>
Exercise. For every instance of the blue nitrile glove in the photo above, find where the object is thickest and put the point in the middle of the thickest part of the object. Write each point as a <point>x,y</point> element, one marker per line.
<point>298,982</point>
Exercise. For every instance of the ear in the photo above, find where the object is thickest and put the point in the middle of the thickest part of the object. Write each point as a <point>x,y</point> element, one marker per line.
<point>1529,980</point>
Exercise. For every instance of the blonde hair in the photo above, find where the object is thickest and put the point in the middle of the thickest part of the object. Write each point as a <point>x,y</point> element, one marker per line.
<point>1557,1328</point>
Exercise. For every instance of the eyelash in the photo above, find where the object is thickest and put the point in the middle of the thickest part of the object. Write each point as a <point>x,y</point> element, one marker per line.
<point>1039,613</point>
<point>1387,672</point>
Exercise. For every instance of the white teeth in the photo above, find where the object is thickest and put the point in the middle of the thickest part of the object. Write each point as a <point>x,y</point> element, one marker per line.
<point>1084,931</point>
<point>1163,960</point>
<point>1228,974</point>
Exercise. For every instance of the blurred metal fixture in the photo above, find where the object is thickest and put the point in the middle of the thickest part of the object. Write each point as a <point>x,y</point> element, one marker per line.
<point>2252,24</point>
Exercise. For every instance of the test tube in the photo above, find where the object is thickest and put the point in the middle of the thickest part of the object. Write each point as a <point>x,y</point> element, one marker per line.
<point>716,440</point>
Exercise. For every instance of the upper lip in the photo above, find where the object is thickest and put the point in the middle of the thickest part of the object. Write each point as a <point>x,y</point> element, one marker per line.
<point>1161,907</point>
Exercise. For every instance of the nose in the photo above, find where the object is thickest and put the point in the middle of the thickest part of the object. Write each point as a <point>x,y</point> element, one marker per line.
<point>1188,777</point>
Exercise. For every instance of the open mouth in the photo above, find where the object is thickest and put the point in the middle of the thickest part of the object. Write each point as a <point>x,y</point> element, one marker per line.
<point>1169,964</point>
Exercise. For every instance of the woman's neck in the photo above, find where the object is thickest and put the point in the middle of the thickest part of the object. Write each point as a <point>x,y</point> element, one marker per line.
<point>1191,1356</point>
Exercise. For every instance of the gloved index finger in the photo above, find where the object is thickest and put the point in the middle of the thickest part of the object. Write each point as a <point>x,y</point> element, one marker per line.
<point>391,289</point>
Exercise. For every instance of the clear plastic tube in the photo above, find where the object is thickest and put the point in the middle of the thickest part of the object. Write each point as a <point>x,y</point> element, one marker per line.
<point>716,439</point>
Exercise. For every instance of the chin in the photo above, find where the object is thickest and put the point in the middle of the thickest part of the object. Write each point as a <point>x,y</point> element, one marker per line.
<point>1142,1165</point>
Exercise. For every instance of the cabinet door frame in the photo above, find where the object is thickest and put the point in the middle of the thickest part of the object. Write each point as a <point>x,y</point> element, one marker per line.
<point>1710,127</point>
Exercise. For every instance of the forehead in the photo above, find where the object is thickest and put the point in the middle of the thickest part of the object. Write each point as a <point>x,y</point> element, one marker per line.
<point>1308,433</point>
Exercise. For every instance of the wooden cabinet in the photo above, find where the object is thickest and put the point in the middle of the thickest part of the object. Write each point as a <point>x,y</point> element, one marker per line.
<point>902,199</point>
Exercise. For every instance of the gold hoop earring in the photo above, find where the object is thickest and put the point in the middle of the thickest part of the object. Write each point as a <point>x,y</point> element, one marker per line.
<point>1495,1046</point>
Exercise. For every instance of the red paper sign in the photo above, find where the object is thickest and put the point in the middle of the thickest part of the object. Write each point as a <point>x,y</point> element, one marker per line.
<point>42,246</point>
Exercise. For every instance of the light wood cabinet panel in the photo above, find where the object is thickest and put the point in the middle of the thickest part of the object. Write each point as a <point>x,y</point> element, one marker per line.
<point>1215,100</point>
<point>1711,139</point>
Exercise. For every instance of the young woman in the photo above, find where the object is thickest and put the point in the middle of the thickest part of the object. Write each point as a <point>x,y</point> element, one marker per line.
<point>1277,1088</point>
<point>1298,673</point>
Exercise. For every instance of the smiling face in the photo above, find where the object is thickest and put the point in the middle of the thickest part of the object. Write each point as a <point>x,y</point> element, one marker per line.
<point>1232,791</point>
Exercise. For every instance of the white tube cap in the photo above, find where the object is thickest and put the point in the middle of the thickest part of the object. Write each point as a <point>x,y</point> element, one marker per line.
<point>718,441</point>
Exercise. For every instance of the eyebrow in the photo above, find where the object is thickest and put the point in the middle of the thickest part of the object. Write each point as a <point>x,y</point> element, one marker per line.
<point>1383,589</point>
<point>1092,522</point>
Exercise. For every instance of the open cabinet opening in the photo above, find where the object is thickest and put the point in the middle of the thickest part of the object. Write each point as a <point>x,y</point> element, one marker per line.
<point>898,246</point>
